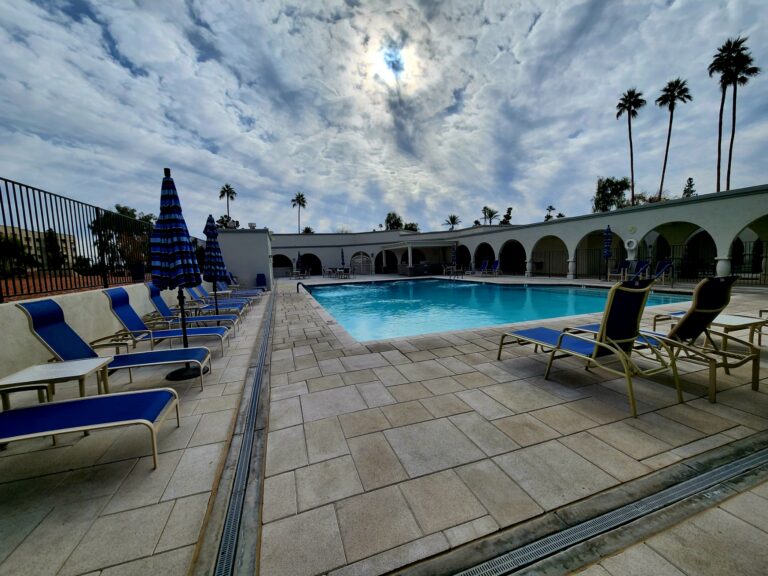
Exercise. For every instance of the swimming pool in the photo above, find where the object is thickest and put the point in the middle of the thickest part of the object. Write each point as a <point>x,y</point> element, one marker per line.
<point>377,310</point>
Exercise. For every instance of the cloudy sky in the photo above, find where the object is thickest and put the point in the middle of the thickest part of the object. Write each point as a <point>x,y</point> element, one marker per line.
<point>422,107</point>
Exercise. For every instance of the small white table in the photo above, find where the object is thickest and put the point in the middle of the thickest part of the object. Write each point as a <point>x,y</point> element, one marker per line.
<point>54,372</point>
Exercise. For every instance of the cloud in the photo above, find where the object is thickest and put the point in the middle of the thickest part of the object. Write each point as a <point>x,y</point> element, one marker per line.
<point>491,104</point>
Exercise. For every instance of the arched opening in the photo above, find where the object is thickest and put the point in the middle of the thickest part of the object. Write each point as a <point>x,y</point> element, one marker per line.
<point>550,257</point>
<point>749,253</point>
<point>386,262</point>
<point>310,263</point>
<point>690,248</point>
<point>361,263</point>
<point>512,258</point>
<point>590,257</point>
<point>281,265</point>
<point>484,254</point>
<point>463,257</point>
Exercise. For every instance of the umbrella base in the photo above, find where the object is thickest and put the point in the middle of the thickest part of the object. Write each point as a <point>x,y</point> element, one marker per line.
<point>185,373</point>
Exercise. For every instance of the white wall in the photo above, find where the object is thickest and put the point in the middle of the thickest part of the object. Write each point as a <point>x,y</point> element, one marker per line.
<point>247,253</point>
<point>87,312</point>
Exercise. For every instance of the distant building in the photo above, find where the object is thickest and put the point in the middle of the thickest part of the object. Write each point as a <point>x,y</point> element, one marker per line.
<point>33,242</point>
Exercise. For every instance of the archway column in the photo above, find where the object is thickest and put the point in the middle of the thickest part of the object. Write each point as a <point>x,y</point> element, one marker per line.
<point>571,268</point>
<point>529,268</point>
<point>723,265</point>
<point>410,256</point>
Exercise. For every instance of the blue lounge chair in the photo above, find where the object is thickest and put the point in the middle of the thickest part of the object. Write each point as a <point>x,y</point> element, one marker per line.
<point>145,407</point>
<point>238,307</point>
<point>261,281</point>
<point>637,269</point>
<point>237,292</point>
<point>613,339</point>
<point>135,330</point>
<point>46,320</point>
<point>227,297</point>
<point>165,313</point>
<point>483,267</point>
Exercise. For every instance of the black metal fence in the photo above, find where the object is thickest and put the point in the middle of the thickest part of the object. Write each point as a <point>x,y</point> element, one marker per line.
<point>51,244</point>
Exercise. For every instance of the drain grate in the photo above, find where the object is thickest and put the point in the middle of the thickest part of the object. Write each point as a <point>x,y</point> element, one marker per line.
<point>225,559</point>
<point>535,551</point>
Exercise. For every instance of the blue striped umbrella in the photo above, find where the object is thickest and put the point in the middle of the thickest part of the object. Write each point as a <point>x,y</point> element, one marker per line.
<point>172,255</point>
<point>214,269</point>
<point>453,253</point>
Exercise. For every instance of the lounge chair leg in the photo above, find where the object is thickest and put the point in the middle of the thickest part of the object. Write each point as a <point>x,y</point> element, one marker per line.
<point>756,373</point>
<point>631,392</point>
<point>676,379</point>
<point>130,375</point>
<point>154,447</point>
<point>501,344</point>
<point>712,381</point>
<point>549,364</point>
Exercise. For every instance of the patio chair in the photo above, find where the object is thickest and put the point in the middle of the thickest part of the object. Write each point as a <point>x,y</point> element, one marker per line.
<point>165,314</point>
<point>613,339</point>
<point>261,281</point>
<point>47,322</point>
<point>146,407</point>
<point>135,330</point>
<point>663,271</point>
<point>710,297</point>
<point>494,268</point>
<point>483,267</point>
<point>637,269</point>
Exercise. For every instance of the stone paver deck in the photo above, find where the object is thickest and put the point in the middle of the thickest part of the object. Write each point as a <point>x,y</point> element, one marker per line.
<point>381,454</point>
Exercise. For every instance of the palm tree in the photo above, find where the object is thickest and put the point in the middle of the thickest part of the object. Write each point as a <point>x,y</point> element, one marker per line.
<point>741,71</point>
<point>675,91</point>
<point>452,221</point>
<point>721,62</point>
<point>491,214</point>
<point>549,216</point>
<point>229,193</point>
<point>300,201</point>
<point>485,214</point>
<point>631,101</point>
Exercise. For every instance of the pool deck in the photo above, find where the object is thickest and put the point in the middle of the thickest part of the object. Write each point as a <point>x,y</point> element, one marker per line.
<point>384,454</point>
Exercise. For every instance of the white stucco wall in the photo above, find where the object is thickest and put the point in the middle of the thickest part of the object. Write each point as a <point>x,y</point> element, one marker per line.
<point>247,253</point>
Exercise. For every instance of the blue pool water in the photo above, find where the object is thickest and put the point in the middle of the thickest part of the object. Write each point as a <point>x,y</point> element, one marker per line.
<point>409,307</point>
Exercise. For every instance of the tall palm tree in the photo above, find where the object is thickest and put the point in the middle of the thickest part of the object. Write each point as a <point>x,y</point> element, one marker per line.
<point>631,101</point>
<point>452,221</point>
<point>485,214</point>
<point>301,202</point>
<point>229,193</point>
<point>741,71</point>
<point>491,214</point>
<point>675,91</point>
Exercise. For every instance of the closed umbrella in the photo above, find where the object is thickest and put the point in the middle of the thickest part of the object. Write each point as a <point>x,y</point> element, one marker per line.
<point>213,270</point>
<point>342,257</point>
<point>607,244</point>
<point>173,260</point>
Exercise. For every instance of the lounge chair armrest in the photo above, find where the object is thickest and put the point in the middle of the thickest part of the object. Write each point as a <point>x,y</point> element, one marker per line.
<point>115,345</point>
<point>730,338</point>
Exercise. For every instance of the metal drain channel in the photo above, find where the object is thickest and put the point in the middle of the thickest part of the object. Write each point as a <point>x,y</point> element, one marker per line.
<point>535,551</point>
<point>225,558</point>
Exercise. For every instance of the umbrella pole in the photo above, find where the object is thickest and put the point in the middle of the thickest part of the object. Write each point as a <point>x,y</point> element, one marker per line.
<point>215,298</point>
<point>188,371</point>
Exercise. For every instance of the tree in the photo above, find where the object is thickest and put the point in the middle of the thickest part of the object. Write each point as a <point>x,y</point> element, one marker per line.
<point>560,215</point>
<point>491,214</point>
<point>225,221</point>
<point>149,218</point>
<point>733,63</point>
<point>413,226</point>
<point>610,194</point>
<point>14,260</point>
<point>675,91</point>
<point>299,201</point>
<point>507,219</point>
<point>476,223</point>
<point>229,193</point>
<point>741,71</point>
<point>393,222</point>
<point>689,191</point>
<point>54,259</point>
<point>452,221</point>
<point>549,216</point>
<point>631,101</point>
<point>307,230</point>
